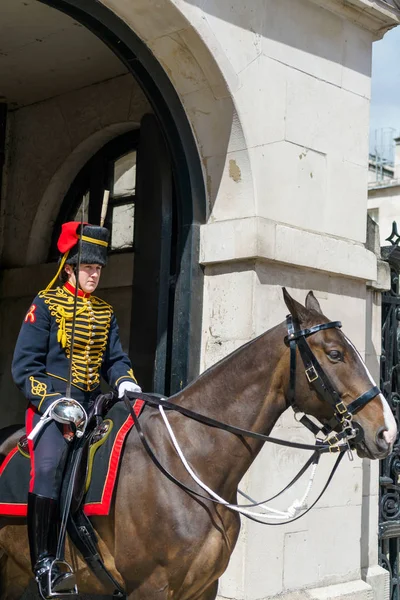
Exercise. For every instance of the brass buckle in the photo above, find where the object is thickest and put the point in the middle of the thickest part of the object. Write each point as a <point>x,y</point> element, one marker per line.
<point>334,449</point>
<point>341,408</point>
<point>311,374</point>
<point>333,440</point>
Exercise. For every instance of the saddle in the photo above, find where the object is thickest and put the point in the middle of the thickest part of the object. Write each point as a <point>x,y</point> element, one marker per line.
<point>96,433</point>
<point>76,483</point>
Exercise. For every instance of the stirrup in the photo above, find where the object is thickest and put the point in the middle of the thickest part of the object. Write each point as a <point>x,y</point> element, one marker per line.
<point>49,591</point>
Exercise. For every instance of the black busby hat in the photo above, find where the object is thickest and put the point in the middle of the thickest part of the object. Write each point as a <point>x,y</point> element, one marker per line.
<point>94,246</point>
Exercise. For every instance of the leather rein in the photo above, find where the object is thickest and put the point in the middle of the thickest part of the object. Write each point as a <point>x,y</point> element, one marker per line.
<point>317,378</point>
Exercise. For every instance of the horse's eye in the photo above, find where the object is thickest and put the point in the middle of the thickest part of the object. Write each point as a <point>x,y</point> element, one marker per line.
<point>335,355</point>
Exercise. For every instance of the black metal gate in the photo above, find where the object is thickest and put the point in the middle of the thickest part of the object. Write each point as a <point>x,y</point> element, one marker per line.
<point>389,504</point>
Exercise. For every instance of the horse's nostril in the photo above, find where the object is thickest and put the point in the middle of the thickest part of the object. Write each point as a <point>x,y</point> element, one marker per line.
<point>381,440</point>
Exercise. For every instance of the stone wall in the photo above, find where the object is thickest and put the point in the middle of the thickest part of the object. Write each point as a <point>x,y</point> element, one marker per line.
<point>277,94</point>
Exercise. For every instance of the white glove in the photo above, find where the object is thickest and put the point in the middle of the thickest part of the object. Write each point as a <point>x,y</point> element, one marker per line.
<point>128,386</point>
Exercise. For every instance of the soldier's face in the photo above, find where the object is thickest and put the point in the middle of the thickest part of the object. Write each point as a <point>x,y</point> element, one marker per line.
<point>89,277</point>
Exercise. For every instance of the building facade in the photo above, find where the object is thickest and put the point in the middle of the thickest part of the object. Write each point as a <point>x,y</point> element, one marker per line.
<point>384,194</point>
<point>233,139</point>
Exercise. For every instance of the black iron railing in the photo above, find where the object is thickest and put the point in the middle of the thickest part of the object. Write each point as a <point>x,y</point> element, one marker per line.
<point>389,500</point>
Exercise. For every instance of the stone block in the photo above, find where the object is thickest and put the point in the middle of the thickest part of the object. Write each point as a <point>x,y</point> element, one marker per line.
<point>206,47</point>
<point>323,533</point>
<point>382,282</point>
<point>347,185</point>
<point>150,19</point>
<point>379,580</point>
<point>211,122</point>
<point>340,298</point>
<point>179,62</point>
<point>216,349</point>
<point>369,547</point>
<point>264,551</point>
<point>262,113</point>
<point>238,239</point>
<point>327,119</point>
<point>305,37</point>
<point>230,301</point>
<point>291,182</point>
<point>324,253</point>
<point>236,25</point>
<point>357,60</point>
<point>229,185</point>
<point>370,477</point>
<point>351,590</point>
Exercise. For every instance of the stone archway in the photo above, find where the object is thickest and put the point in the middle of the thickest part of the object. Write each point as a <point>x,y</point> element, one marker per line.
<point>187,80</point>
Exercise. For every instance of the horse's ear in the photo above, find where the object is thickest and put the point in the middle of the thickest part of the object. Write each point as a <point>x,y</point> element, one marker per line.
<point>312,303</point>
<point>297,310</point>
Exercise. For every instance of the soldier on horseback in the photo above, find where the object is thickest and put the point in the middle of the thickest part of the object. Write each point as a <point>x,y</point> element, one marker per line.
<point>45,367</point>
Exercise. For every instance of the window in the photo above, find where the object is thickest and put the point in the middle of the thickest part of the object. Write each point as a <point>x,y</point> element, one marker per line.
<point>104,191</point>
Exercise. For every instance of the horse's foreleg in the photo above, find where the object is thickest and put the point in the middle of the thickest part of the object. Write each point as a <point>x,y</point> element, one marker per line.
<point>210,593</point>
<point>13,580</point>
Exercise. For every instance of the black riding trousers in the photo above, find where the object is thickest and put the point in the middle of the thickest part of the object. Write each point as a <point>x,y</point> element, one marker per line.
<point>50,452</point>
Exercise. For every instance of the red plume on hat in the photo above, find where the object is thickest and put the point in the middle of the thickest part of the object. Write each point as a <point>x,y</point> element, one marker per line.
<point>94,245</point>
<point>69,236</point>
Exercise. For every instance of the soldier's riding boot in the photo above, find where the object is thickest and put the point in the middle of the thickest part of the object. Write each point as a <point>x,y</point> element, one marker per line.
<point>43,519</point>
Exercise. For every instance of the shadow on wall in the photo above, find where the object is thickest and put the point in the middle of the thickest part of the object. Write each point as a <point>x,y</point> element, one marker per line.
<point>301,25</point>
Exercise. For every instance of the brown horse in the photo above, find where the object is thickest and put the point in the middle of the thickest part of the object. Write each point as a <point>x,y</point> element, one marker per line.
<point>162,542</point>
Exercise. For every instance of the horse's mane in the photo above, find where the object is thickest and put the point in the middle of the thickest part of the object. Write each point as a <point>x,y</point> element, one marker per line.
<point>213,369</point>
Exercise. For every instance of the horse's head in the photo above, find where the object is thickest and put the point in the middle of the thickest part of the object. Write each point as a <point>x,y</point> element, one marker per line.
<point>349,376</point>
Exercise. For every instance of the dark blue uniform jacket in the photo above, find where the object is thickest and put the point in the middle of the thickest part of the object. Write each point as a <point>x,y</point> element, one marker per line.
<point>40,365</point>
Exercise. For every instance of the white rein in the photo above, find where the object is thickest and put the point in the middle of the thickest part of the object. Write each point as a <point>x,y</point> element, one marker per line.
<point>266,512</point>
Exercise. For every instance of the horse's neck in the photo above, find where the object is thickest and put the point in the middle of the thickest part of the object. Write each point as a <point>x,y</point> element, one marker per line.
<point>246,389</point>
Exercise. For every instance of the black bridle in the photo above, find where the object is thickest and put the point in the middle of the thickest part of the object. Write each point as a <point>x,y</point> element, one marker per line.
<point>317,378</point>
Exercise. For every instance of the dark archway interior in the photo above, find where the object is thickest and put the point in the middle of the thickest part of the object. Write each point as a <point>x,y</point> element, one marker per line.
<point>178,353</point>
